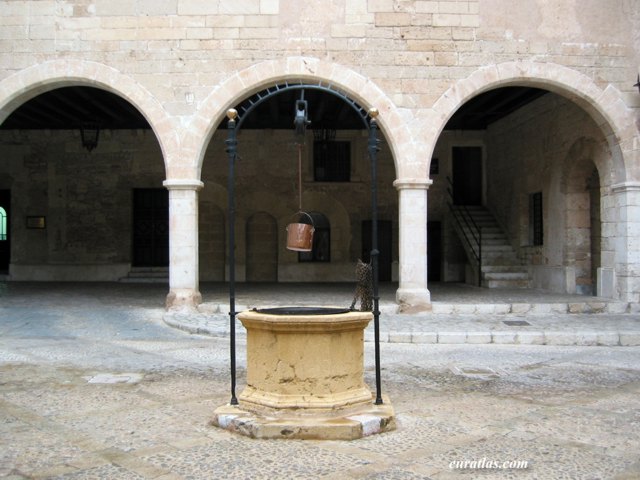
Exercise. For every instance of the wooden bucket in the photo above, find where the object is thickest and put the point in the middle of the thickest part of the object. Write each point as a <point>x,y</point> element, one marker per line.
<point>300,235</point>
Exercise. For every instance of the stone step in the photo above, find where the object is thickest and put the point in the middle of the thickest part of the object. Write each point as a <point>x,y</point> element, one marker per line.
<point>496,248</point>
<point>487,231</point>
<point>504,269</point>
<point>501,267</point>
<point>506,283</point>
<point>506,276</point>
<point>147,275</point>
<point>490,242</point>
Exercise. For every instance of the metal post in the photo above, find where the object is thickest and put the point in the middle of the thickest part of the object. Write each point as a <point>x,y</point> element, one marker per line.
<point>373,156</point>
<point>231,143</point>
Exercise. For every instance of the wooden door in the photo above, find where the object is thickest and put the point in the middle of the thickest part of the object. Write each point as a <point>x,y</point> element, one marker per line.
<point>467,175</point>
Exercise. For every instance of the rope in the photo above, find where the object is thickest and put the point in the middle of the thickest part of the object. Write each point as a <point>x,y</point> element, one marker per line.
<point>299,177</point>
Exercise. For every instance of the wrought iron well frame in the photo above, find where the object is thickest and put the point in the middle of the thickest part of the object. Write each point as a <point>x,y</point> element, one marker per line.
<point>235,120</point>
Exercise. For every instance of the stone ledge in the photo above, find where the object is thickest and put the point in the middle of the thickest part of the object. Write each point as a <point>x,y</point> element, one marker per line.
<point>369,420</point>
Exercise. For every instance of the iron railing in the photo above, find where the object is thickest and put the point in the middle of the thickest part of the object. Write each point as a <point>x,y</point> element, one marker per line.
<point>470,230</point>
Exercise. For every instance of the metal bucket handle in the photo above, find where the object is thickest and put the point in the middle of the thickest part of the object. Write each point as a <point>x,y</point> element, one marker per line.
<point>300,213</point>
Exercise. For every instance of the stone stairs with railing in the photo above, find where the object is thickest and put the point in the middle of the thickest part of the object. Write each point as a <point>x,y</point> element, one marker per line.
<point>501,267</point>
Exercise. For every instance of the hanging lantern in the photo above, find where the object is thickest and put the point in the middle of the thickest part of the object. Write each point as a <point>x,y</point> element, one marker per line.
<point>89,133</point>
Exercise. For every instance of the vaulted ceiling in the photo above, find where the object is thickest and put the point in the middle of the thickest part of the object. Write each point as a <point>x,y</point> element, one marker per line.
<point>70,107</point>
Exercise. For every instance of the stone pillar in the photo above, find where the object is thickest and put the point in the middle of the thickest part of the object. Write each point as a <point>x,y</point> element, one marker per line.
<point>412,294</point>
<point>627,242</point>
<point>184,290</point>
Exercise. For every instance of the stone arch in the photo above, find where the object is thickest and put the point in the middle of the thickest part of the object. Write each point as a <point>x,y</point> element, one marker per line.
<point>252,203</point>
<point>31,82</point>
<point>259,76</point>
<point>606,107</point>
<point>580,185</point>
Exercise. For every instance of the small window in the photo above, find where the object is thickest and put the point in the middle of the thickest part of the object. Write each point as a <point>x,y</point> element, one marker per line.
<point>321,249</point>
<point>331,161</point>
<point>536,233</point>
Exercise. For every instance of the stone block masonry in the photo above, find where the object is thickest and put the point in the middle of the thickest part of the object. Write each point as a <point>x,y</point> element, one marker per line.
<point>183,63</point>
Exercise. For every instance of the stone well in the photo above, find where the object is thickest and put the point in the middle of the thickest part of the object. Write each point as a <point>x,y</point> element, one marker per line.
<point>305,377</point>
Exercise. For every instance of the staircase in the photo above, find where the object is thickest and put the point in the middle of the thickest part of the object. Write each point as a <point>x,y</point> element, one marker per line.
<point>500,267</point>
<point>147,275</point>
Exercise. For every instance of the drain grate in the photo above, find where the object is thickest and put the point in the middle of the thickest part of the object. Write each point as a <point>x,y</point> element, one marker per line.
<point>516,323</point>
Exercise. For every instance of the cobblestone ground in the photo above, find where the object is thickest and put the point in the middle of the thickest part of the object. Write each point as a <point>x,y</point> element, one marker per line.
<point>101,393</point>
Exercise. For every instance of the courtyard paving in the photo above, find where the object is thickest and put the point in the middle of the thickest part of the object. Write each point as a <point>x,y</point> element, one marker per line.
<point>95,384</point>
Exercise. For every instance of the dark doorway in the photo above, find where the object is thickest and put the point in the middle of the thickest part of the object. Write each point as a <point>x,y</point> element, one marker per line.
<point>5,229</point>
<point>467,175</point>
<point>150,227</point>
<point>434,251</point>
<point>384,246</point>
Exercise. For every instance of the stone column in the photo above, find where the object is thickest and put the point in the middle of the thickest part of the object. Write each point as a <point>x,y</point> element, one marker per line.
<point>626,278</point>
<point>184,290</point>
<point>412,294</point>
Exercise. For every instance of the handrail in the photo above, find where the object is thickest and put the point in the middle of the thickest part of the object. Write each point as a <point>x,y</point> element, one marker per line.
<point>463,218</point>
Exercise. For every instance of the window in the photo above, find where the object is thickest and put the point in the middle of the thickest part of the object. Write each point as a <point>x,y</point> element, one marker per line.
<point>331,161</point>
<point>321,249</point>
<point>3,224</point>
<point>535,219</point>
<point>434,166</point>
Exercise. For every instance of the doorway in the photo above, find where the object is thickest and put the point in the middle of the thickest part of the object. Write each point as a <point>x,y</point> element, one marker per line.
<point>5,229</point>
<point>467,175</point>
<point>150,227</point>
<point>384,246</point>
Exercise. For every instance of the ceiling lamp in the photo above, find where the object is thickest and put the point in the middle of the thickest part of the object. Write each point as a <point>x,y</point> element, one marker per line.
<point>89,133</point>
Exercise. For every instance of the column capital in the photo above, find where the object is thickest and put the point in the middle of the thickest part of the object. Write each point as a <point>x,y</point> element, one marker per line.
<point>183,184</point>
<point>626,187</point>
<point>413,183</point>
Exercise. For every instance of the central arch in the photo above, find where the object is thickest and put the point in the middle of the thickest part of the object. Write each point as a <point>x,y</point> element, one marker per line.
<point>334,77</point>
<point>407,151</point>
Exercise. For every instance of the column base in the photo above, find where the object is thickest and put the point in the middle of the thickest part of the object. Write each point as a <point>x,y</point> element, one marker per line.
<point>413,300</point>
<point>183,299</point>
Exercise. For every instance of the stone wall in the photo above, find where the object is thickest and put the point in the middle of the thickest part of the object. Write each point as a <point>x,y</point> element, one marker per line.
<point>267,183</point>
<point>86,199</point>
<point>536,150</point>
<point>413,50</point>
<point>183,63</point>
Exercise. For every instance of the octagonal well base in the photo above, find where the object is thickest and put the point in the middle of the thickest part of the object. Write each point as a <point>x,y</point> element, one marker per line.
<point>367,420</point>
